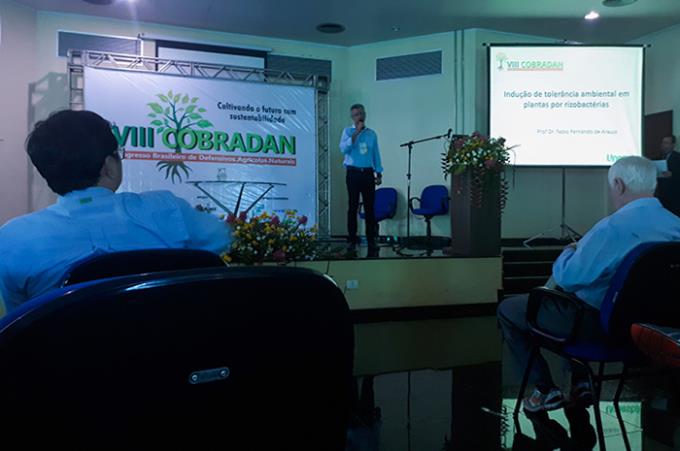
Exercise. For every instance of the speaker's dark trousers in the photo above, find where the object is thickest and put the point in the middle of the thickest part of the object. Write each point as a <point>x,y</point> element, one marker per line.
<point>361,181</point>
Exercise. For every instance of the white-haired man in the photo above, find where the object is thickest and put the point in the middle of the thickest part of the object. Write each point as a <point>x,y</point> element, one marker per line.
<point>586,269</point>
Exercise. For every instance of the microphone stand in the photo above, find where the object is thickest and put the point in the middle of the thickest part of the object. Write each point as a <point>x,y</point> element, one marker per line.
<point>410,145</point>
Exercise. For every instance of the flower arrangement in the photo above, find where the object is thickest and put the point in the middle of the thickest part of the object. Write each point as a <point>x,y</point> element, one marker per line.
<point>268,237</point>
<point>486,159</point>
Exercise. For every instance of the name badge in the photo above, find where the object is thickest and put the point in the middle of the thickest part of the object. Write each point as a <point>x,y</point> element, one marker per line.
<point>363,148</point>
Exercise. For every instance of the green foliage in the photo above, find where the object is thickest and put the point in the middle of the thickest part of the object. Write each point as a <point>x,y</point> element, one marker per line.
<point>177,112</point>
<point>485,159</point>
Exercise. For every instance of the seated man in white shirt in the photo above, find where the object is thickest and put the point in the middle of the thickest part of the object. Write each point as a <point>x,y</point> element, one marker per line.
<point>78,155</point>
<point>586,269</point>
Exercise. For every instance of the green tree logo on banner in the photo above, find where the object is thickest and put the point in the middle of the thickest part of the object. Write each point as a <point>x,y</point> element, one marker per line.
<point>176,112</point>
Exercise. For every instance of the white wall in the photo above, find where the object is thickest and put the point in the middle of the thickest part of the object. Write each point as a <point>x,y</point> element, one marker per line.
<point>400,110</point>
<point>662,72</point>
<point>17,58</point>
<point>403,110</point>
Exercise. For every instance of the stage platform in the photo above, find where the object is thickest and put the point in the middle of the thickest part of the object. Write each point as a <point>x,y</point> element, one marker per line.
<point>402,285</point>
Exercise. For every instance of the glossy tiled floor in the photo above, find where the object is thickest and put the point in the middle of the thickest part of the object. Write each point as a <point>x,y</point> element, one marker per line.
<point>444,384</point>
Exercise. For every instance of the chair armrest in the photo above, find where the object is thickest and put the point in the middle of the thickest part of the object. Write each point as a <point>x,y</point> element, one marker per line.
<point>445,202</point>
<point>410,202</point>
<point>542,295</point>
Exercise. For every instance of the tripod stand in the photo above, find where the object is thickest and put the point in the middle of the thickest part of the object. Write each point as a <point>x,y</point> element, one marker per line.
<point>567,233</point>
<point>410,145</point>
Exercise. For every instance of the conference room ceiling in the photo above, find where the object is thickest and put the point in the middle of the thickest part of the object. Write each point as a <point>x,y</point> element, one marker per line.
<point>369,21</point>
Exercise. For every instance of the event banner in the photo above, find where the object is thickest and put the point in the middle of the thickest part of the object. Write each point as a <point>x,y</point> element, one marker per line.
<point>226,146</point>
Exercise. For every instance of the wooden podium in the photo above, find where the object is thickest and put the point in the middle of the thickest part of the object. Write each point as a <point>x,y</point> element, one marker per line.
<point>475,229</point>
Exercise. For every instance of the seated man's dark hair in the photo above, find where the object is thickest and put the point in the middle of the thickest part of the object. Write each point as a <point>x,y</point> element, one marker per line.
<point>69,149</point>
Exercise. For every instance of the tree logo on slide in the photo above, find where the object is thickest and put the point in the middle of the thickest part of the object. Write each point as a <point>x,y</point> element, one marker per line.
<point>176,114</point>
<point>501,58</point>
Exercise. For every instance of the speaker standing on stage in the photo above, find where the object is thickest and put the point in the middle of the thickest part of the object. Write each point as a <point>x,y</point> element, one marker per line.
<point>359,144</point>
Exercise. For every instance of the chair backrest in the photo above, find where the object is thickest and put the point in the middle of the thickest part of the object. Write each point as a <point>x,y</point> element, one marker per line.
<point>103,266</point>
<point>645,289</point>
<point>436,197</point>
<point>201,359</point>
<point>385,202</point>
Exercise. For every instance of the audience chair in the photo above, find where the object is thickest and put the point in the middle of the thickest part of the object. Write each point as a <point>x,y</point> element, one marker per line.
<point>102,266</point>
<point>246,358</point>
<point>643,289</point>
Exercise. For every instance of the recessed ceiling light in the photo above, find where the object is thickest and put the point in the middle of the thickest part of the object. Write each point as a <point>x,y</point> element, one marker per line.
<point>592,15</point>
<point>99,2</point>
<point>330,28</point>
<point>396,28</point>
<point>615,3</point>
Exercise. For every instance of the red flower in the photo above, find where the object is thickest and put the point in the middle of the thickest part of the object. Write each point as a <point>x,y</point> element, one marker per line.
<point>458,144</point>
<point>275,220</point>
<point>231,218</point>
<point>303,220</point>
<point>490,163</point>
<point>243,216</point>
<point>279,255</point>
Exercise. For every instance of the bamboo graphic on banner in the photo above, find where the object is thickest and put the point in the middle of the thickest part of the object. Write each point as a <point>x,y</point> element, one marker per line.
<point>176,113</point>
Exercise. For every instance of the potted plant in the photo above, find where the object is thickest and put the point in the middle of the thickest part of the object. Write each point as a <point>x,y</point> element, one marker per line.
<point>479,192</point>
<point>270,238</point>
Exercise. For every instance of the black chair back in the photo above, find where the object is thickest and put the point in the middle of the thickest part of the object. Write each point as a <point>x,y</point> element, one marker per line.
<point>233,358</point>
<point>645,289</point>
<point>127,263</point>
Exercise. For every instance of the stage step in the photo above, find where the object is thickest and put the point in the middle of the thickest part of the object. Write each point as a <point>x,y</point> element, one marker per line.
<point>525,268</point>
<point>521,285</point>
<point>531,254</point>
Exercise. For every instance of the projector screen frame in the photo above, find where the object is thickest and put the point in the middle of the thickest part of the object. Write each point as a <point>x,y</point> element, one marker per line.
<point>547,44</point>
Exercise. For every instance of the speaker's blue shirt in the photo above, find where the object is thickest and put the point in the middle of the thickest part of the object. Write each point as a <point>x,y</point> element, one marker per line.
<point>38,249</point>
<point>587,270</point>
<point>364,152</point>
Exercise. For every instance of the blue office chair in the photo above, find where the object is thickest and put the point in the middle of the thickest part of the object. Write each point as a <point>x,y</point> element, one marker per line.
<point>115,264</point>
<point>197,359</point>
<point>385,205</point>
<point>643,289</point>
<point>434,201</point>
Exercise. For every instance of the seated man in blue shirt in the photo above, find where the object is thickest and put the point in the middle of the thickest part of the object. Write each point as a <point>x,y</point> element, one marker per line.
<point>78,155</point>
<point>586,269</point>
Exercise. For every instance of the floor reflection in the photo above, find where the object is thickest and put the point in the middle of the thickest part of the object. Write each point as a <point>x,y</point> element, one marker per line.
<point>442,385</point>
